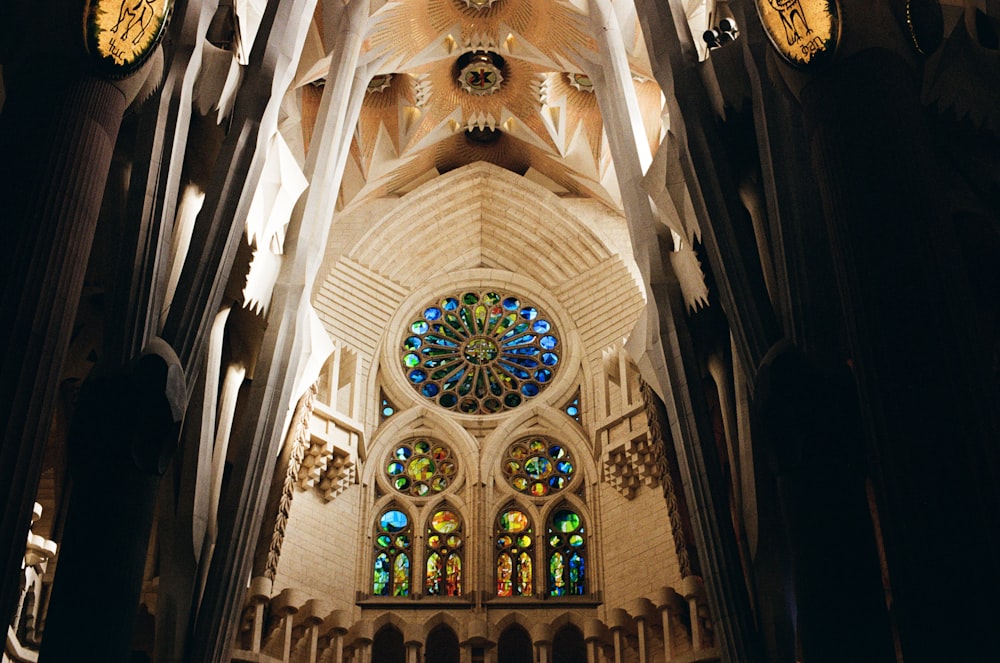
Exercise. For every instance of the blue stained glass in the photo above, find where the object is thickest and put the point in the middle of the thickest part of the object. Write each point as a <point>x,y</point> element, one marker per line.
<point>411,343</point>
<point>529,389</point>
<point>511,304</point>
<point>419,327</point>
<point>393,521</point>
<point>403,453</point>
<point>557,452</point>
<point>515,371</point>
<point>521,351</point>
<point>417,376</point>
<point>429,390</point>
<point>433,313</point>
<point>453,380</point>
<point>548,342</point>
<point>388,411</point>
<point>576,571</point>
<point>541,326</point>
<point>518,329</point>
<point>411,360</point>
<point>437,340</point>
<point>520,340</point>
<point>543,375</point>
<point>522,361</point>
<point>449,304</point>
<point>565,467</point>
<point>445,330</point>
<point>529,313</point>
<point>550,358</point>
<point>572,410</point>
<point>448,400</point>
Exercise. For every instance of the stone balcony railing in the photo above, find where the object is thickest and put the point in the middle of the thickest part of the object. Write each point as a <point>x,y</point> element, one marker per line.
<point>671,626</point>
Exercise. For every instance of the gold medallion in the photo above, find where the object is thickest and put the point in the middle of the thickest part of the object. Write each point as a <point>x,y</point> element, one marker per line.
<point>121,34</point>
<point>804,32</point>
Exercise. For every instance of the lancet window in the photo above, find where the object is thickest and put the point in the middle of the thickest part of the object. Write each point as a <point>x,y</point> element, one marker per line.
<point>566,553</point>
<point>393,550</point>
<point>444,554</point>
<point>514,546</point>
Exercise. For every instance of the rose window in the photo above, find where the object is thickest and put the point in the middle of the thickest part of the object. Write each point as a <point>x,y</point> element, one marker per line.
<point>421,467</point>
<point>538,467</point>
<point>480,352</point>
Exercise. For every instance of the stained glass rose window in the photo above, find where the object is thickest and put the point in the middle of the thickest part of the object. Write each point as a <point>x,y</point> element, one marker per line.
<point>421,467</point>
<point>538,466</point>
<point>480,352</point>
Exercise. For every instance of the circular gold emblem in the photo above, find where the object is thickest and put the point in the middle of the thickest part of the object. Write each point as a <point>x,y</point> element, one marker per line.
<point>121,34</point>
<point>804,32</point>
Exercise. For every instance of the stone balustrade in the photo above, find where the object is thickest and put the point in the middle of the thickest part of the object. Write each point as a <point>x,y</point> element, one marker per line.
<point>670,626</point>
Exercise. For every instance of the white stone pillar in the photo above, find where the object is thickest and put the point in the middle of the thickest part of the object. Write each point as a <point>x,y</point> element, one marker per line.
<point>619,622</point>
<point>670,605</point>
<point>644,613</point>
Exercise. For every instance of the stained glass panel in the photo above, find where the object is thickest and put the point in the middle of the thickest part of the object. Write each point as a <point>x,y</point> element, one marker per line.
<point>420,467</point>
<point>514,544</point>
<point>453,573</point>
<point>391,566</point>
<point>481,352</point>
<point>566,554</point>
<point>444,562</point>
<point>537,467</point>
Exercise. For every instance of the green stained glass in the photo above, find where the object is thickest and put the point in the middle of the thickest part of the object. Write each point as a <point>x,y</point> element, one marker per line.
<point>537,467</point>
<point>514,521</point>
<point>555,540</point>
<point>523,541</point>
<point>444,522</point>
<point>557,581</point>
<point>395,468</point>
<point>401,483</point>
<point>502,336</point>
<point>422,447</point>
<point>402,541</point>
<point>566,521</point>
<point>381,575</point>
<point>421,469</point>
<point>401,575</point>
<point>576,540</point>
<point>383,540</point>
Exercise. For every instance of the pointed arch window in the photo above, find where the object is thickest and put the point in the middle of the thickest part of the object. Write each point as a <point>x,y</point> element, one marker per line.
<point>393,541</point>
<point>514,567</point>
<point>444,556</point>
<point>566,553</point>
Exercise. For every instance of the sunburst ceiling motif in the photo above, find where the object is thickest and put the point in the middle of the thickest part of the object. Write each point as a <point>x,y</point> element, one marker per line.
<point>517,71</point>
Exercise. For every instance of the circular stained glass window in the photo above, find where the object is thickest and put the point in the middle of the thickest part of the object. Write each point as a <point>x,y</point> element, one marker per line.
<point>480,352</point>
<point>421,467</point>
<point>538,466</point>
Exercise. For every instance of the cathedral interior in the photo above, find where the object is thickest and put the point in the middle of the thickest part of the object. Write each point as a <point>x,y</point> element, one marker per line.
<point>500,331</point>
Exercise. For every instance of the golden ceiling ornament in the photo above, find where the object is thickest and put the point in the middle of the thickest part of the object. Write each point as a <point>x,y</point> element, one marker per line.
<point>379,83</point>
<point>804,32</point>
<point>479,5</point>
<point>481,76</point>
<point>581,82</point>
<point>121,34</point>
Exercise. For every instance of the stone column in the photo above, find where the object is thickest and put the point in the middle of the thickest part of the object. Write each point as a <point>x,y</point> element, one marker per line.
<point>335,627</point>
<point>643,611</point>
<point>57,136</point>
<point>312,615</point>
<point>670,605</point>
<point>120,443</point>
<point>619,622</point>
<point>594,633</point>
<point>541,636</point>
<point>258,596</point>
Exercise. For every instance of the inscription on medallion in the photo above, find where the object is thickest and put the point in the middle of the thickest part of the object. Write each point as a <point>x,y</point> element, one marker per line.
<point>804,32</point>
<point>122,33</point>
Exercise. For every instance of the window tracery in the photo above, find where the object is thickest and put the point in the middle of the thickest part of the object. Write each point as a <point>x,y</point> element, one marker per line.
<point>480,352</point>
<point>421,467</point>
<point>538,466</point>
